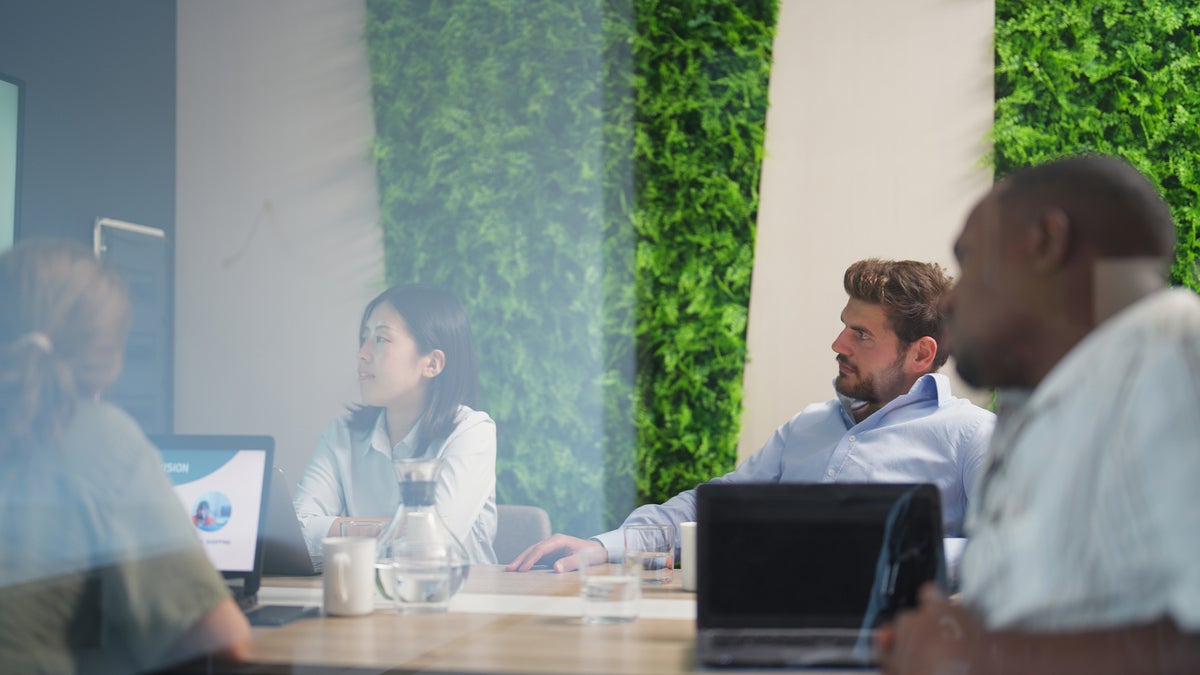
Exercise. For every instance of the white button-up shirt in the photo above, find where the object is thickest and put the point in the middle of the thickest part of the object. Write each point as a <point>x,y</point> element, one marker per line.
<point>351,475</point>
<point>1088,515</point>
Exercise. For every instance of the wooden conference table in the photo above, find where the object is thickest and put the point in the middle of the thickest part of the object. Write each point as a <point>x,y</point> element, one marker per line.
<point>501,622</point>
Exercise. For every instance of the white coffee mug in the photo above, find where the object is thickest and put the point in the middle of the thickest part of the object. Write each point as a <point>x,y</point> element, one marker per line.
<point>349,575</point>
<point>687,555</point>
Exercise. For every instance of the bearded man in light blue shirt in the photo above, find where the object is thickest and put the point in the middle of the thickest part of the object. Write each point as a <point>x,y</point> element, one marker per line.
<point>894,419</point>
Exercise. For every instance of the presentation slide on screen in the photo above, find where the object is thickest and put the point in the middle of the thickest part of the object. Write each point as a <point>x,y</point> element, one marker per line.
<point>222,492</point>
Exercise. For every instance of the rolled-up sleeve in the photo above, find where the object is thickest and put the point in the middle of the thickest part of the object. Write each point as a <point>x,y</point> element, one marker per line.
<point>764,466</point>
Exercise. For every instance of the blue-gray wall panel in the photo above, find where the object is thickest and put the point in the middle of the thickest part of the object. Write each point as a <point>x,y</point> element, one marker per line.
<point>99,141</point>
<point>99,111</point>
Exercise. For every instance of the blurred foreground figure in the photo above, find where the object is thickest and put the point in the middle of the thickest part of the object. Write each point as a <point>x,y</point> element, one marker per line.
<point>1084,554</point>
<point>100,569</point>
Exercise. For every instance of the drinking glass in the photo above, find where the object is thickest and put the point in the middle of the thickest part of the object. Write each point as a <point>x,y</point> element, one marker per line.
<point>650,550</point>
<point>361,528</point>
<point>610,591</point>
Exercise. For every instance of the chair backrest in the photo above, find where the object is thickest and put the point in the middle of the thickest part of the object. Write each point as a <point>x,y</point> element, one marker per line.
<point>517,528</point>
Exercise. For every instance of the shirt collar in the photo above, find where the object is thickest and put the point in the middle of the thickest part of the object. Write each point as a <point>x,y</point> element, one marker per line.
<point>927,386</point>
<point>1062,380</point>
<point>382,443</point>
<point>941,385</point>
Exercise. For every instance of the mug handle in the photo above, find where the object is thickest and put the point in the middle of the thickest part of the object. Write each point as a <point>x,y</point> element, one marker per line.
<point>341,562</point>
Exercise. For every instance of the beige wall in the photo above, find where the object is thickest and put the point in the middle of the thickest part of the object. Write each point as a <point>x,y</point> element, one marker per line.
<point>277,248</point>
<point>879,113</point>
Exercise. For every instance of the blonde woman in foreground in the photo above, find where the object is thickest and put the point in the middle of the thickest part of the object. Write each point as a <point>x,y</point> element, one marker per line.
<point>100,570</point>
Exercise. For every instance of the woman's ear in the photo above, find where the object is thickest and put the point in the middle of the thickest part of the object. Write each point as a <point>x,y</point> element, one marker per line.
<point>436,363</point>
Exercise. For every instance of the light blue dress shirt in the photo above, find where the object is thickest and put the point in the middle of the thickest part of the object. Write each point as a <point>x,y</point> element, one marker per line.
<point>926,435</point>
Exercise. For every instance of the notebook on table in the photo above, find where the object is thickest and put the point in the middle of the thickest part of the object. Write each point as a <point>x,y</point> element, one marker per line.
<point>803,574</point>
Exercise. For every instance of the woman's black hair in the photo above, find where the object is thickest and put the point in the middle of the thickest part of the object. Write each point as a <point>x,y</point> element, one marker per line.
<point>437,320</point>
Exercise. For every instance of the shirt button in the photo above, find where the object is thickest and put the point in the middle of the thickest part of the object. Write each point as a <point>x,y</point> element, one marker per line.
<point>830,473</point>
<point>852,439</point>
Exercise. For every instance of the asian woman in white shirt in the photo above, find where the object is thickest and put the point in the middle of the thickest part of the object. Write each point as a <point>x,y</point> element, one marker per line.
<point>418,377</point>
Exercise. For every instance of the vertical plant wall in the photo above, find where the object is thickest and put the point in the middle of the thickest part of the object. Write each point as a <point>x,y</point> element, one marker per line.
<point>530,160</point>
<point>491,159</point>
<point>1112,76</point>
<point>702,69</point>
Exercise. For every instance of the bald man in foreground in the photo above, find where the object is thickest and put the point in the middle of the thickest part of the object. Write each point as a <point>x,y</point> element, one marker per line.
<point>1084,549</point>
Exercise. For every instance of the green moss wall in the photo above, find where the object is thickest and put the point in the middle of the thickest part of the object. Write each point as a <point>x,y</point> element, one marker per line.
<point>1112,76</point>
<point>585,176</point>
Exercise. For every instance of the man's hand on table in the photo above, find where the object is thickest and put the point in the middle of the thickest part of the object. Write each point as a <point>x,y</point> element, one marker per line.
<point>936,638</point>
<point>562,546</point>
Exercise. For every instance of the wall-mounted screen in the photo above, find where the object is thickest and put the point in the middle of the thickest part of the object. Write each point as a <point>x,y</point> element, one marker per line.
<point>10,156</point>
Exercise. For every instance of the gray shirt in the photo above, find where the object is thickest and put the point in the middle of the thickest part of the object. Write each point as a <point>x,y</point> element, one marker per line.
<point>100,569</point>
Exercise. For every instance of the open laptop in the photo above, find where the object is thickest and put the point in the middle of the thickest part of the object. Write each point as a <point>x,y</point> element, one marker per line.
<point>803,574</point>
<point>286,552</point>
<point>222,482</point>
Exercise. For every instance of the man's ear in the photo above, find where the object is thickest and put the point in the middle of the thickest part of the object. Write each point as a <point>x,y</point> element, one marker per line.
<point>922,354</point>
<point>1048,239</point>
<point>436,363</point>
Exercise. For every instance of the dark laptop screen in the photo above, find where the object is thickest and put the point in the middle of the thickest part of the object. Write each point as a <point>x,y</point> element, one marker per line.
<point>813,556</point>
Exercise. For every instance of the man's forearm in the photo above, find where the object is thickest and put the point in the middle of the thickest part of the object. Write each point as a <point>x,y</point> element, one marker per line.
<point>1154,648</point>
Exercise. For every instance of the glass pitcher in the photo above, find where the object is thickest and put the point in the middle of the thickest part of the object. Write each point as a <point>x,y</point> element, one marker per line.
<point>420,563</point>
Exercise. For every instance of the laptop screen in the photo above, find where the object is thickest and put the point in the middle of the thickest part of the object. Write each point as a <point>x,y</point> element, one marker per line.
<point>221,482</point>
<point>813,556</point>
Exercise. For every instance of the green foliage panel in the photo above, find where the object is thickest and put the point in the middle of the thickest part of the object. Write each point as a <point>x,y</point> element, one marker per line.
<point>492,159</point>
<point>1111,76</point>
<point>530,159</point>
<point>701,75</point>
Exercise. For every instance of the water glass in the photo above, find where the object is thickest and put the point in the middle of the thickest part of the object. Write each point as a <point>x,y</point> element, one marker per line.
<point>650,550</point>
<point>610,591</point>
<point>361,528</point>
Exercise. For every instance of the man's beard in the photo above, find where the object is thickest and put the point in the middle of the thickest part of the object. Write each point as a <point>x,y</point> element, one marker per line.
<point>872,388</point>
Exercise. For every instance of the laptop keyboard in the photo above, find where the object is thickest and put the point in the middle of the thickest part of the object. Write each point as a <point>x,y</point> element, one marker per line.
<point>801,648</point>
<point>806,640</point>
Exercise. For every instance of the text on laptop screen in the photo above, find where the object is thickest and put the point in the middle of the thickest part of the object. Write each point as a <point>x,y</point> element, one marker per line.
<point>222,492</point>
